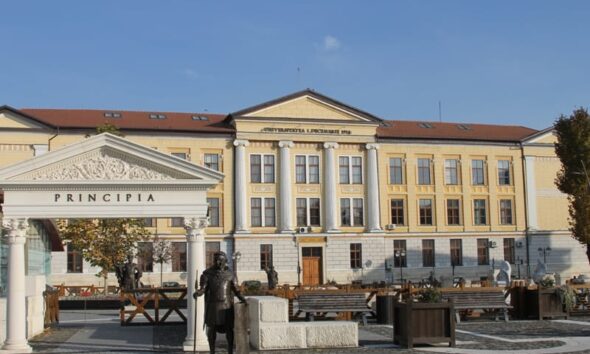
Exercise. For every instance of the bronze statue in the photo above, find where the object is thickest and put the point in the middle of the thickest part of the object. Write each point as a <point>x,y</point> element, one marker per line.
<point>219,286</point>
<point>272,277</point>
<point>128,274</point>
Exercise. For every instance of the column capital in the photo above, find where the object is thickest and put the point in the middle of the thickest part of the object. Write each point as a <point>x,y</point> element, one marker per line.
<point>330,145</point>
<point>195,227</point>
<point>241,143</point>
<point>17,229</point>
<point>372,146</point>
<point>286,144</point>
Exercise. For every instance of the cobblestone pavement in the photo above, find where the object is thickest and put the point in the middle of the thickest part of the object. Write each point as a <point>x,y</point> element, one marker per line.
<point>472,336</point>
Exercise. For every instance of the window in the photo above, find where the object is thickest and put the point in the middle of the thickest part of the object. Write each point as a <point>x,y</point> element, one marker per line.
<point>350,174</point>
<point>452,172</point>
<point>177,222</point>
<point>345,212</point>
<point>504,172</point>
<point>179,256</point>
<point>212,161</point>
<point>181,155</point>
<point>262,168</point>
<point>145,256</point>
<point>265,256</point>
<point>75,264</point>
<point>477,172</point>
<point>453,212</point>
<point>506,211</point>
<point>399,253</point>
<point>149,222</point>
<point>428,253</point>
<point>354,216</point>
<point>262,217</point>
<point>300,169</point>
<point>213,211</point>
<point>344,170</point>
<point>425,211</point>
<point>308,216</point>
<point>356,255</point>
<point>456,252</point>
<point>483,252</point>
<point>509,251</point>
<point>479,212</point>
<point>307,169</point>
<point>397,212</point>
<point>210,249</point>
<point>424,171</point>
<point>396,171</point>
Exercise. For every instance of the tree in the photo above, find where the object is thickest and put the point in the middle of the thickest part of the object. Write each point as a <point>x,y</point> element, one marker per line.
<point>162,253</point>
<point>105,242</point>
<point>109,128</point>
<point>573,149</point>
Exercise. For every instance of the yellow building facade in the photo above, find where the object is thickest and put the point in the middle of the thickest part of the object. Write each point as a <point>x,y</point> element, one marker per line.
<point>326,192</point>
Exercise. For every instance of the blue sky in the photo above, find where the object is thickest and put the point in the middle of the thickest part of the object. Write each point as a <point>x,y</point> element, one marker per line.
<point>498,62</point>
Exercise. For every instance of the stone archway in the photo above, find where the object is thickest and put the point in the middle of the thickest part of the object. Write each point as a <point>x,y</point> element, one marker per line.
<point>104,176</point>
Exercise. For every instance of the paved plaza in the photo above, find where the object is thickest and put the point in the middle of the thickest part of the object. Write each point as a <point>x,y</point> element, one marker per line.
<point>99,331</point>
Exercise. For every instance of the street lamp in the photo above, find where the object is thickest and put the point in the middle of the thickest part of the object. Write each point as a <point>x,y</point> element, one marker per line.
<point>545,252</point>
<point>519,262</point>
<point>236,258</point>
<point>400,255</point>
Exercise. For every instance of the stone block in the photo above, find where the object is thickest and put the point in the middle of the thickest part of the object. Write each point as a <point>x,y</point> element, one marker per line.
<point>268,309</point>
<point>279,336</point>
<point>332,334</point>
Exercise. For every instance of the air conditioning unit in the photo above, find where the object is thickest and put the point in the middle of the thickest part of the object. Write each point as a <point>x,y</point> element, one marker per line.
<point>390,226</point>
<point>303,229</point>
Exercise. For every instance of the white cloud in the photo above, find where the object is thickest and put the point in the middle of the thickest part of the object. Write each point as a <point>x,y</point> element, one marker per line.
<point>331,43</point>
<point>191,74</point>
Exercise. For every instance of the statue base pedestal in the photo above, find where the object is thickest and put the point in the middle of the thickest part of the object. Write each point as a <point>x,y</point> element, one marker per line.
<point>187,346</point>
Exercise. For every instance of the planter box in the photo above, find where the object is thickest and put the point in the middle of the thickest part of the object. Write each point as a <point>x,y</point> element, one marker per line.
<point>537,304</point>
<point>423,323</point>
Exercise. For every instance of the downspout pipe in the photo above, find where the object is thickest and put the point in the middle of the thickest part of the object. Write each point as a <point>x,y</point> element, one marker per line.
<point>51,138</point>
<point>526,213</point>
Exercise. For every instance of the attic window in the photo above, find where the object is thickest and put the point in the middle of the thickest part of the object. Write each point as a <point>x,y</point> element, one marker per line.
<point>463,127</point>
<point>200,118</point>
<point>157,116</point>
<point>112,115</point>
<point>425,125</point>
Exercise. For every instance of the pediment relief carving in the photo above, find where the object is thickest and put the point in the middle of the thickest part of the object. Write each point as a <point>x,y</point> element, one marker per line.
<point>103,164</point>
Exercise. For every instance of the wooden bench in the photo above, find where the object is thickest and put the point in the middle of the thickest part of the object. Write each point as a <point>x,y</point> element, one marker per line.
<point>325,303</point>
<point>478,299</point>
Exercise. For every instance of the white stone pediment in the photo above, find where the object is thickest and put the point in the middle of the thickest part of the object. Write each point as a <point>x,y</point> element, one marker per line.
<point>107,159</point>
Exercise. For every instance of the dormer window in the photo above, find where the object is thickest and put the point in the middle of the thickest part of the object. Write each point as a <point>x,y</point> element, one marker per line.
<point>425,125</point>
<point>112,115</point>
<point>203,118</point>
<point>157,116</point>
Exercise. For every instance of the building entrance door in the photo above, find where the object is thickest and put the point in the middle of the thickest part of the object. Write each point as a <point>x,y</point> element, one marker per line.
<point>312,265</point>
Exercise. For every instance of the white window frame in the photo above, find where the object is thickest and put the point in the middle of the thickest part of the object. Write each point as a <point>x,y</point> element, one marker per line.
<point>457,172</point>
<point>211,154</point>
<point>351,211</point>
<point>307,170</point>
<point>263,211</point>
<point>349,158</point>
<point>262,167</point>
<point>308,211</point>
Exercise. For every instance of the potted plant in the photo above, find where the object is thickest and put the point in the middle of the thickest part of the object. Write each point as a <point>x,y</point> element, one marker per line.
<point>424,319</point>
<point>549,301</point>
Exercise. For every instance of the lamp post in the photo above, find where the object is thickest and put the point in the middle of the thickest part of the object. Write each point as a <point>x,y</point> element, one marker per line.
<point>400,255</point>
<point>544,252</point>
<point>519,262</point>
<point>236,258</point>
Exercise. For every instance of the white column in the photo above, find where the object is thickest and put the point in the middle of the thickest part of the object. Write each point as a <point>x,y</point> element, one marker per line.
<point>330,205</point>
<point>241,188</point>
<point>285,187</point>
<point>531,192</point>
<point>16,311</point>
<point>195,239</point>
<point>373,223</point>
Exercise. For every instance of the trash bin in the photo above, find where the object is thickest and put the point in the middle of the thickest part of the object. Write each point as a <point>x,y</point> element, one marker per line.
<point>385,309</point>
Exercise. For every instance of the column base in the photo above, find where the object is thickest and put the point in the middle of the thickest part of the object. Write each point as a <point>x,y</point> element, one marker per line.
<point>16,348</point>
<point>287,231</point>
<point>242,232</point>
<point>187,346</point>
<point>375,231</point>
<point>333,231</point>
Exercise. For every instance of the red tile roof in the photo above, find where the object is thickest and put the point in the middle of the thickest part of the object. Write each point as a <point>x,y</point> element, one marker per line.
<point>219,123</point>
<point>399,129</point>
<point>131,120</point>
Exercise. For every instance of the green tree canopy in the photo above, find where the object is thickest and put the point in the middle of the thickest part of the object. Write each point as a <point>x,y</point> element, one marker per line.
<point>573,149</point>
<point>104,242</point>
<point>108,128</point>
